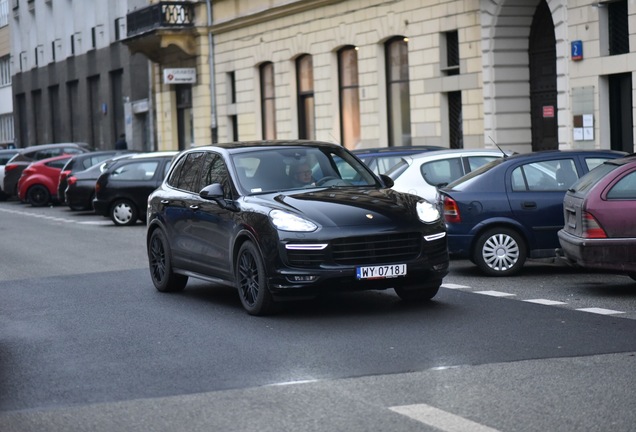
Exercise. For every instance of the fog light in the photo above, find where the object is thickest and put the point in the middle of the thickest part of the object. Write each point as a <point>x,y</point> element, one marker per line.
<point>302,278</point>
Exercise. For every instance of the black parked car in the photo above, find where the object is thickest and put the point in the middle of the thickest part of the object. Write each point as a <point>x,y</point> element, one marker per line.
<point>81,162</point>
<point>13,169</point>
<point>238,213</point>
<point>121,191</point>
<point>80,186</point>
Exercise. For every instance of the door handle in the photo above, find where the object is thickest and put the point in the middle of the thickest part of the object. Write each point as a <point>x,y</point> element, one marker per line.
<point>165,202</point>
<point>194,207</point>
<point>529,205</point>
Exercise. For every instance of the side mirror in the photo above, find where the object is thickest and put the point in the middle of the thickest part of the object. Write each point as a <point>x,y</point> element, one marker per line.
<point>212,192</point>
<point>388,181</point>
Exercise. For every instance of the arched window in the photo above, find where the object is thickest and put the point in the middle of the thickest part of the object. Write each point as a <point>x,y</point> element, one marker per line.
<point>268,105</point>
<point>305,88</point>
<point>397,77</point>
<point>349,96</point>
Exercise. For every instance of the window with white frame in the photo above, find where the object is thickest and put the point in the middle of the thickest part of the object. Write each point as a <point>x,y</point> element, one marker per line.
<point>6,128</point>
<point>5,71</point>
<point>4,13</point>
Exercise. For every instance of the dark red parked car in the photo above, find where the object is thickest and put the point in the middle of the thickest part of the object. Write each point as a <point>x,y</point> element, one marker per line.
<point>600,227</point>
<point>38,183</point>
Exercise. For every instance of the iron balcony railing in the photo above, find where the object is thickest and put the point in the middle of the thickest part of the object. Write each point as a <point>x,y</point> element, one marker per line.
<point>166,14</point>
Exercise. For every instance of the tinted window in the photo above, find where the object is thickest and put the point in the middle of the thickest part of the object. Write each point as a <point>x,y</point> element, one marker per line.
<point>45,154</point>
<point>57,164</point>
<point>625,188</point>
<point>215,171</point>
<point>188,178</point>
<point>142,170</point>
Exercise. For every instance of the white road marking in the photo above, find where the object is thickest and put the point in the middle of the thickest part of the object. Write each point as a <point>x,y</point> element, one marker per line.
<point>545,302</point>
<point>440,419</point>
<point>600,311</point>
<point>55,219</point>
<point>495,293</point>
<point>455,286</point>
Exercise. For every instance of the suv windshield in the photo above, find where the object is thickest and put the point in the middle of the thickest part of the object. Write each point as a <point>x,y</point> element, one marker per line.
<point>279,169</point>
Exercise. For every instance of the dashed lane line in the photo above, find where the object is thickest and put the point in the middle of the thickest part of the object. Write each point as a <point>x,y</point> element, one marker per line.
<point>53,218</point>
<point>545,302</point>
<point>440,419</point>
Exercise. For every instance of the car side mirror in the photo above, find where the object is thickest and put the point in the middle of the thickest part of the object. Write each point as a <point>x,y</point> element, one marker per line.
<point>388,181</point>
<point>212,192</point>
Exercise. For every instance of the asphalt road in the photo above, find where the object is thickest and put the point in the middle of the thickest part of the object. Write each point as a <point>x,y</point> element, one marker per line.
<point>87,344</point>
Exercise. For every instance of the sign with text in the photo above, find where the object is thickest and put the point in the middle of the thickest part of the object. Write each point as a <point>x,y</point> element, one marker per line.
<point>179,76</point>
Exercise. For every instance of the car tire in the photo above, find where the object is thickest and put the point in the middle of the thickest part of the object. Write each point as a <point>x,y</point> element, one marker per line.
<point>160,263</point>
<point>123,213</point>
<point>418,293</point>
<point>38,196</point>
<point>500,252</point>
<point>251,281</point>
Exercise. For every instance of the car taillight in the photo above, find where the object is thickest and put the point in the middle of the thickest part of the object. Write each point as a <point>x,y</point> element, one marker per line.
<point>97,187</point>
<point>451,210</point>
<point>64,174</point>
<point>71,180</point>
<point>591,227</point>
<point>9,167</point>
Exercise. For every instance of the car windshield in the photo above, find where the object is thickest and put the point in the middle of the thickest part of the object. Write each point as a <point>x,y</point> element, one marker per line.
<point>269,169</point>
<point>592,177</point>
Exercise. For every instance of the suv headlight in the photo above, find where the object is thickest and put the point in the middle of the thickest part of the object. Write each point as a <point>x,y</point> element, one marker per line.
<point>289,222</point>
<point>427,212</point>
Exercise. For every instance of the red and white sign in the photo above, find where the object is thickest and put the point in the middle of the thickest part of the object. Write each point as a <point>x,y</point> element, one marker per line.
<point>179,76</point>
<point>548,111</point>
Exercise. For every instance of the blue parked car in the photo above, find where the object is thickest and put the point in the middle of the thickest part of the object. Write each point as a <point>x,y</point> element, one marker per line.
<point>512,208</point>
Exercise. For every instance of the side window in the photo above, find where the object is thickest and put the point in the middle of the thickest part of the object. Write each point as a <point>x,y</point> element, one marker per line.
<point>215,171</point>
<point>190,172</point>
<point>475,162</point>
<point>173,180</point>
<point>625,188</point>
<point>555,175</point>
<point>72,150</point>
<point>442,171</point>
<point>57,164</point>
<point>135,171</point>
<point>45,154</point>
<point>594,162</point>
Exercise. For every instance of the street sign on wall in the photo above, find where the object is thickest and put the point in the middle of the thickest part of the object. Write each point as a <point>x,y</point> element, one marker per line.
<point>179,76</point>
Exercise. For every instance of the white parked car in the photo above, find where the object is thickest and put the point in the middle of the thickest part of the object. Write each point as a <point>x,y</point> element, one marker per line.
<point>421,174</point>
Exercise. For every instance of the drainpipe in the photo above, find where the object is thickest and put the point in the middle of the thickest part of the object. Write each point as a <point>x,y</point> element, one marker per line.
<point>213,125</point>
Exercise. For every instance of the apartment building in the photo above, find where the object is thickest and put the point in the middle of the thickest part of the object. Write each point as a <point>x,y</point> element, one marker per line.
<point>73,78</point>
<point>527,75</point>
<point>6,98</point>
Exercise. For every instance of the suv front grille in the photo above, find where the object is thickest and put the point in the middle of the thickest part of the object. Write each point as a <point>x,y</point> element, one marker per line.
<point>365,250</point>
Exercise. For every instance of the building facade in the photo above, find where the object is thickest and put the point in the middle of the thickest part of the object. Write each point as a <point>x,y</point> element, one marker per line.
<point>6,97</point>
<point>73,78</point>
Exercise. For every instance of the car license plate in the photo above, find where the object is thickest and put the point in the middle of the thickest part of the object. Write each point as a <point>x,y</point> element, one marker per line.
<point>381,272</point>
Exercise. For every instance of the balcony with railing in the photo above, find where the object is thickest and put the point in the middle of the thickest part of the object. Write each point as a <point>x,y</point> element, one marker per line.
<point>162,29</point>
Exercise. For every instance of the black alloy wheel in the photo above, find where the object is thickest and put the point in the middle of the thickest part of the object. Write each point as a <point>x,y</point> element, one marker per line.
<point>252,282</point>
<point>38,196</point>
<point>160,263</point>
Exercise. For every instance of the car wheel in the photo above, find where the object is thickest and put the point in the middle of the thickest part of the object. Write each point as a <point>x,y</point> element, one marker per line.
<point>251,281</point>
<point>38,196</point>
<point>500,252</point>
<point>160,262</point>
<point>418,293</point>
<point>123,212</point>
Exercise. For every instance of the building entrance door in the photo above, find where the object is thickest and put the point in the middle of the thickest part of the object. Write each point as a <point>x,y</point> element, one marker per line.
<point>543,82</point>
<point>184,116</point>
<point>620,104</point>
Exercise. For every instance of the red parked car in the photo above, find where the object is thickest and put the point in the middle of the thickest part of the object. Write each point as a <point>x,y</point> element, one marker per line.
<point>38,183</point>
<point>600,227</point>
